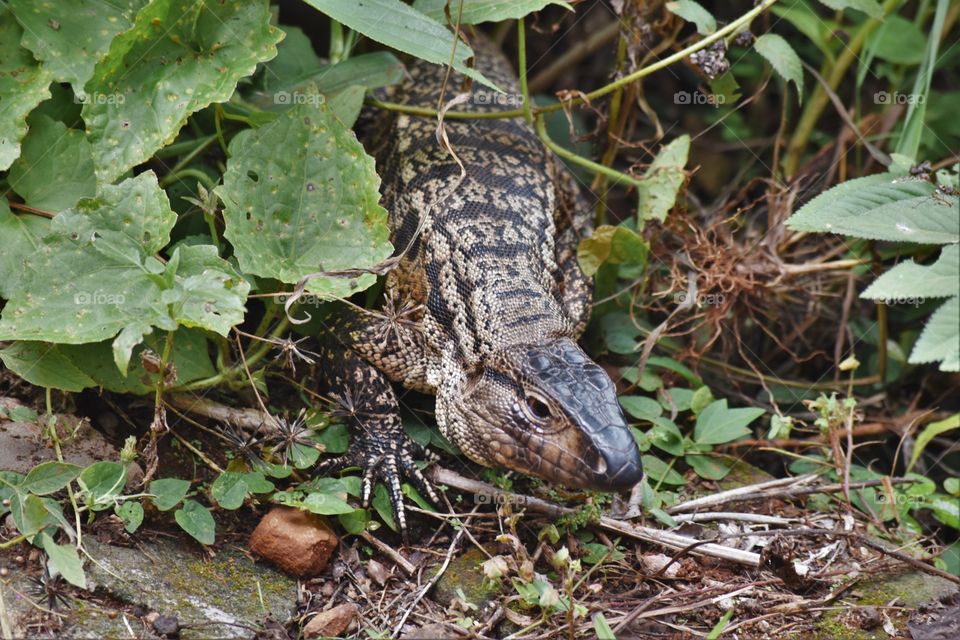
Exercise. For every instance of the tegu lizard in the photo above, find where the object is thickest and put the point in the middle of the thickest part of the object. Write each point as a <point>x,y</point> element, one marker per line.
<point>485,308</point>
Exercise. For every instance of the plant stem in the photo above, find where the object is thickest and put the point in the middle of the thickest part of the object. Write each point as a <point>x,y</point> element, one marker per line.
<point>522,55</point>
<point>617,176</point>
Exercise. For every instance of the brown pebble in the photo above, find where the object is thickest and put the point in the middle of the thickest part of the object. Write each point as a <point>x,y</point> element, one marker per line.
<point>328,589</point>
<point>298,542</point>
<point>330,623</point>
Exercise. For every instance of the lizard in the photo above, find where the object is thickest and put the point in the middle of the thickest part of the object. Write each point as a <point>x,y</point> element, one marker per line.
<point>484,308</point>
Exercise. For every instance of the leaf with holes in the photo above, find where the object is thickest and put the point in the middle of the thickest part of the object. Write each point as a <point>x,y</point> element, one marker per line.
<point>178,58</point>
<point>398,25</point>
<point>55,167</point>
<point>70,36</point>
<point>24,84</point>
<point>477,11</point>
<point>301,196</point>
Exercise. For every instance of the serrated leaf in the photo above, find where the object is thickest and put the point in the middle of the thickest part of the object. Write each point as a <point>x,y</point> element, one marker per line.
<point>718,424</point>
<point>70,36</point>
<point>20,237</point>
<point>195,519</point>
<point>616,245</point>
<point>911,281</point>
<point>397,25</point>
<point>24,84</point>
<point>168,492</point>
<point>785,61</point>
<point>870,7</point>
<point>44,365</point>
<point>178,57</point>
<point>131,513</point>
<point>312,207</point>
<point>49,477</point>
<point>477,11</point>
<point>883,207</point>
<point>55,167</point>
<point>63,559</point>
<point>661,181</point>
<point>693,12</point>
<point>940,340</point>
<point>96,275</point>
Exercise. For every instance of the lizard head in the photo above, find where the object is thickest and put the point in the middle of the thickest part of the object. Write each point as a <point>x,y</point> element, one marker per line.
<point>546,410</point>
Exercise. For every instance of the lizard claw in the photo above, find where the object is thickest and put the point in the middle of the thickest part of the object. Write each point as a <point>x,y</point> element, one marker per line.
<point>386,460</point>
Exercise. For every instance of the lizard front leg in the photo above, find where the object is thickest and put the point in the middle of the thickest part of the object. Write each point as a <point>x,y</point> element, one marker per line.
<point>366,399</point>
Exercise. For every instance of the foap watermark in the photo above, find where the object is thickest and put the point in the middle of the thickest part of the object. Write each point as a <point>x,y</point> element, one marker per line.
<point>913,301</point>
<point>98,298</point>
<point>500,498</point>
<point>700,299</point>
<point>698,97</point>
<point>500,99</point>
<point>885,97</point>
<point>97,98</point>
<point>296,97</point>
<point>305,299</point>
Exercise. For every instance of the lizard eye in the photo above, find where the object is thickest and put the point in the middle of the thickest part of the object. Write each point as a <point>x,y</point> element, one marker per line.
<point>538,408</point>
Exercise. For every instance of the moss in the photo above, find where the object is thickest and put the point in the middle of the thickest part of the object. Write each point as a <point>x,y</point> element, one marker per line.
<point>465,573</point>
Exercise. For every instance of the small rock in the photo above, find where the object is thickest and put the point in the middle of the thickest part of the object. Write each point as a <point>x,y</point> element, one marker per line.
<point>330,623</point>
<point>298,542</point>
<point>436,631</point>
<point>151,617</point>
<point>167,626</point>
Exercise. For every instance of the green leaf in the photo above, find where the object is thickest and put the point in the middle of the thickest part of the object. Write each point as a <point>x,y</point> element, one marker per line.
<point>49,477</point>
<point>178,58</point>
<point>940,340</point>
<point>257,483</point>
<point>381,502</point>
<point>659,472</point>
<point>24,84</point>
<point>229,490</point>
<point>679,398</point>
<point>701,399</point>
<point>648,380</point>
<point>195,519</point>
<point>598,552</point>
<point>20,237</point>
<point>707,467</point>
<point>602,628</point>
<point>325,504</point>
<point>63,559</point>
<point>312,208</point>
<point>131,513</point>
<point>946,509</point>
<point>952,486</point>
<point>70,36</point>
<point>718,424</point>
<point>397,25</point>
<point>666,436</point>
<point>30,513</point>
<point>909,281</point>
<point>44,365</point>
<point>662,180</point>
<point>883,207</point>
<point>693,12</point>
<point>897,40</point>
<point>784,59</point>
<point>805,19</point>
<point>616,245</point>
<point>354,522</point>
<point>168,492</point>
<point>103,481</point>
<point>208,292</point>
<point>641,407</point>
<point>55,167</point>
<point>677,367</point>
<point>870,7</point>
<point>334,438</point>
<point>477,11</point>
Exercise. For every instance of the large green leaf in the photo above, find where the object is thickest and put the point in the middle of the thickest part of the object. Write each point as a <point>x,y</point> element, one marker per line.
<point>55,167</point>
<point>662,180</point>
<point>477,11</point>
<point>20,236</point>
<point>180,56</point>
<point>24,84</point>
<point>883,207</point>
<point>195,519</point>
<point>718,424</point>
<point>911,281</point>
<point>312,207</point>
<point>898,40</point>
<point>70,36</point>
<point>940,340</point>
<point>42,364</point>
<point>397,25</point>
<point>782,57</point>
<point>64,559</point>
<point>49,477</point>
<point>96,275</point>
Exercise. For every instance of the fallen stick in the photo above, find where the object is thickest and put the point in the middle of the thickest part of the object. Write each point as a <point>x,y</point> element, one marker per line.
<point>666,539</point>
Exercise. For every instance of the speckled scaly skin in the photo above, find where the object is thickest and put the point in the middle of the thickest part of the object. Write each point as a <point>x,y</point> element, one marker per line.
<point>485,308</point>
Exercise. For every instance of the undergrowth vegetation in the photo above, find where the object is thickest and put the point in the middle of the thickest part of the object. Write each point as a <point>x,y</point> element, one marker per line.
<point>776,256</point>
